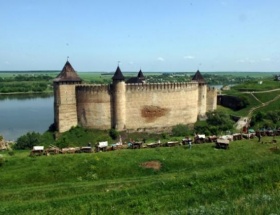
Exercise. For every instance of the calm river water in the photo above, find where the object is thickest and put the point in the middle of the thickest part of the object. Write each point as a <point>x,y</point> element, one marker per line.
<point>20,114</point>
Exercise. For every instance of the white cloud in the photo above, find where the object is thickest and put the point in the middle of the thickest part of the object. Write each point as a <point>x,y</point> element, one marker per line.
<point>160,59</point>
<point>246,60</point>
<point>189,57</point>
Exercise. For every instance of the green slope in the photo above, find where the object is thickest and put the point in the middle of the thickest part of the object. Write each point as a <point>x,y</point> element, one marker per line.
<point>242,180</point>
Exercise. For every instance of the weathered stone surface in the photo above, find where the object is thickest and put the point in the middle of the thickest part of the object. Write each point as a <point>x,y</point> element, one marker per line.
<point>131,106</point>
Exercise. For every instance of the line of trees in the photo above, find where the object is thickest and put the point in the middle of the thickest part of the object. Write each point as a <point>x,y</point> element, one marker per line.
<point>26,77</point>
<point>24,87</point>
<point>26,83</point>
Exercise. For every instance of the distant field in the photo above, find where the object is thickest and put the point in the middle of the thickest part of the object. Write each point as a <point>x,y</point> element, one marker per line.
<point>250,74</point>
<point>253,86</point>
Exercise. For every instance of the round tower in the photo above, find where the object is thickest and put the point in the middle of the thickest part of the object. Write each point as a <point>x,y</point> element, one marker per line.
<point>65,108</point>
<point>119,101</point>
<point>202,94</point>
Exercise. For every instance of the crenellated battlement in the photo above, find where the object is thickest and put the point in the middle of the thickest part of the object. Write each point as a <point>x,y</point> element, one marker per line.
<point>209,89</point>
<point>93,88</point>
<point>162,86</point>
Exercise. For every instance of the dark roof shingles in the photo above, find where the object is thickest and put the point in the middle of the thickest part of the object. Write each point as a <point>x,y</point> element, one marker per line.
<point>198,77</point>
<point>140,74</point>
<point>118,75</point>
<point>68,74</point>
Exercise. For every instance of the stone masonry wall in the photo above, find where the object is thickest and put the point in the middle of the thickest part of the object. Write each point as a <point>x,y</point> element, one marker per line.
<point>147,106</point>
<point>161,105</point>
<point>65,106</point>
<point>94,106</point>
<point>211,99</point>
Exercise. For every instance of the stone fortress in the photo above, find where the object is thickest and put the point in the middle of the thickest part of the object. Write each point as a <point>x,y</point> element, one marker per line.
<point>131,105</point>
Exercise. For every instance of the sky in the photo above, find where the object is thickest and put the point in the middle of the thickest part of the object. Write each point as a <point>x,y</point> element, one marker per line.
<point>152,35</point>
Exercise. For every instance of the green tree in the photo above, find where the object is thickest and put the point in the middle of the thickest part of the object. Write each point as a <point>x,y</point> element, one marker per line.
<point>220,120</point>
<point>28,140</point>
<point>273,116</point>
<point>259,116</point>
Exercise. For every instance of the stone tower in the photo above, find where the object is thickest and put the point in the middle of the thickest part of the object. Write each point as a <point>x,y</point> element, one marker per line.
<point>65,108</point>
<point>119,101</point>
<point>202,93</point>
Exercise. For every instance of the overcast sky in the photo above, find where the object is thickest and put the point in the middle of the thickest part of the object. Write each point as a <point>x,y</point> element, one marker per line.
<point>154,35</point>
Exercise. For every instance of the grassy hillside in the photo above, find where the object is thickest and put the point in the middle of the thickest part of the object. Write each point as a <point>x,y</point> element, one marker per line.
<point>203,180</point>
<point>256,94</point>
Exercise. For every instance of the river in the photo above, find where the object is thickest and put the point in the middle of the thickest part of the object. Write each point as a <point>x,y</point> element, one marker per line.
<point>20,114</point>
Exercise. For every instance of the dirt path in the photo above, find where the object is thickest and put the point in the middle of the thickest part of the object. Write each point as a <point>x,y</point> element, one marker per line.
<point>245,121</point>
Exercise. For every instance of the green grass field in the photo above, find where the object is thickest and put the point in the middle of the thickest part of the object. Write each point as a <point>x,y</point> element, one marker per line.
<point>244,179</point>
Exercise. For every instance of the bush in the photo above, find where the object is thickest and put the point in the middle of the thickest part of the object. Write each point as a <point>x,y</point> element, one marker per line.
<point>28,140</point>
<point>113,134</point>
<point>180,130</point>
<point>2,160</point>
<point>220,120</point>
<point>164,136</point>
<point>202,129</point>
<point>11,152</point>
<point>63,142</point>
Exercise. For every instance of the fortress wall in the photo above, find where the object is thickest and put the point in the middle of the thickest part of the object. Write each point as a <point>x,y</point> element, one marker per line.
<point>94,106</point>
<point>211,99</point>
<point>161,105</point>
<point>65,107</point>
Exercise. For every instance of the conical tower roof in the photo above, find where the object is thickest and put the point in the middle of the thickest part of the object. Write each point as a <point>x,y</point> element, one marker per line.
<point>67,74</point>
<point>118,75</point>
<point>198,77</point>
<point>140,75</point>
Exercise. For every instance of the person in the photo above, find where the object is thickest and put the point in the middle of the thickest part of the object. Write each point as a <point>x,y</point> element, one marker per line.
<point>190,143</point>
<point>259,136</point>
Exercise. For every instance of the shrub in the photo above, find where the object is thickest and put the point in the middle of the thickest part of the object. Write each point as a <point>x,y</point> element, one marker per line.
<point>2,160</point>
<point>63,142</point>
<point>180,130</point>
<point>220,120</point>
<point>11,152</point>
<point>164,136</point>
<point>113,134</point>
<point>28,140</point>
